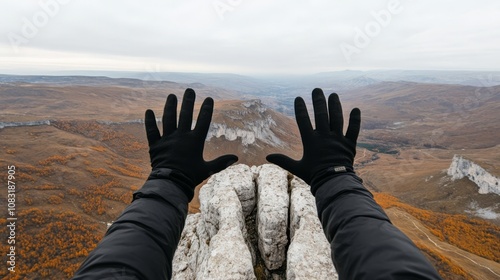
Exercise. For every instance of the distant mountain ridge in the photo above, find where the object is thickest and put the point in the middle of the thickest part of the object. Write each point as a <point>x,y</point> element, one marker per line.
<point>347,79</point>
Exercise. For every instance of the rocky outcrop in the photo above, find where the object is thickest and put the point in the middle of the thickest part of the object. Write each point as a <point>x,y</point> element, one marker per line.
<point>214,244</point>
<point>461,167</point>
<point>18,124</point>
<point>272,214</point>
<point>308,256</point>
<point>243,229</point>
<point>254,123</point>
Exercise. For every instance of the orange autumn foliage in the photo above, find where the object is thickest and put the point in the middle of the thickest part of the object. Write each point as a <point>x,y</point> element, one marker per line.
<point>28,201</point>
<point>129,170</point>
<point>57,158</point>
<point>444,265</point>
<point>473,235</point>
<point>114,140</point>
<point>98,148</point>
<point>73,191</point>
<point>54,199</point>
<point>52,244</point>
<point>135,146</point>
<point>94,196</point>
<point>47,187</point>
<point>98,172</point>
<point>25,177</point>
<point>30,170</point>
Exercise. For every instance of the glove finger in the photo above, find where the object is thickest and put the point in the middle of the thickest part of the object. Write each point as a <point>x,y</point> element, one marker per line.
<point>335,112</point>
<point>320,111</point>
<point>221,163</point>
<point>204,118</point>
<point>354,125</point>
<point>302,117</point>
<point>186,115</point>
<point>152,132</point>
<point>169,118</point>
<point>284,162</point>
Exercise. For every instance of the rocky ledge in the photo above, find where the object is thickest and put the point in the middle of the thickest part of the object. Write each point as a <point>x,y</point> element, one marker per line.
<point>461,167</point>
<point>255,223</point>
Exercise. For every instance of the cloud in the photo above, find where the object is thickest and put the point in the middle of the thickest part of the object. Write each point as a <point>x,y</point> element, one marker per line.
<point>251,36</point>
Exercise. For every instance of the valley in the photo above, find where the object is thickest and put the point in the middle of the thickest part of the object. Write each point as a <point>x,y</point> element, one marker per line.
<point>78,168</point>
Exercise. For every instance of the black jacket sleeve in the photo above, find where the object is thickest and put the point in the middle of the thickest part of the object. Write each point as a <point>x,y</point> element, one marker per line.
<point>364,243</point>
<point>141,243</point>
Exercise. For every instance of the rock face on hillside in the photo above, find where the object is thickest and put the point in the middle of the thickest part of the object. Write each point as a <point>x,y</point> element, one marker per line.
<point>252,122</point>
<point>17,124</point>
<point>254,224</point>
<point>486,182</point>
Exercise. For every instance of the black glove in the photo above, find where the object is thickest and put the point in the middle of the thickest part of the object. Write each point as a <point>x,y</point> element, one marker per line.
<point>327,152</point>
<point>178,154</point>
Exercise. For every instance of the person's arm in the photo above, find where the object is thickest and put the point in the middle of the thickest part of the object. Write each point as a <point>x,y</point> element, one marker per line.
<point>141,243</point>
<point>364,243</point>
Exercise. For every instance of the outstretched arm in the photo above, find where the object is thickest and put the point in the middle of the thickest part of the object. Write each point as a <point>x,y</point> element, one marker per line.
<point>364,243</point>
<point>141,243</point>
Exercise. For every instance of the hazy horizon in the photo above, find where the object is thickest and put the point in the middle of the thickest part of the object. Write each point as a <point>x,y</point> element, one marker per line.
<point>92,72</point>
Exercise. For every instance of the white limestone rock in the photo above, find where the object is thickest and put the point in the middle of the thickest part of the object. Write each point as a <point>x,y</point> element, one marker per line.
<point>214,243</point>
<point>192,249</point>
<point>228,255</point>
<point>18,124</point>
<point>213,195</point>
<point>309,254</point>
<point>254,123</point>
<point>272,214</point>
<point>486,182</point>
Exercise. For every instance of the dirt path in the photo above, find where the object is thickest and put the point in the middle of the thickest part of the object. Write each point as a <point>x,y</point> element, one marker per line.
<point>361,158</point>
<point>478,267</point>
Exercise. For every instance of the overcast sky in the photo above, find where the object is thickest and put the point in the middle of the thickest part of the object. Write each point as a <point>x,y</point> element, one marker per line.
<point>248,36</point>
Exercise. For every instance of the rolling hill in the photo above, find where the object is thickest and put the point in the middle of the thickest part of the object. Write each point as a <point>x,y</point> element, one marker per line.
<point>83,165</point>
<point>88,153</point>
<point>426,115</point>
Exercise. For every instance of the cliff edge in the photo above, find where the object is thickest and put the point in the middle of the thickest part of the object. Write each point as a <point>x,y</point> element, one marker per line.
<point>461,167</point>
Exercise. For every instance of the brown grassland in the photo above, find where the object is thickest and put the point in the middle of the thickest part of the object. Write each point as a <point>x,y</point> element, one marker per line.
<point>77,175</point>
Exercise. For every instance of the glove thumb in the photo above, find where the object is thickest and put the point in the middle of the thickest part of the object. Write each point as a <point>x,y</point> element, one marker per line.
<point>221,163</point>
<point>284,162</point>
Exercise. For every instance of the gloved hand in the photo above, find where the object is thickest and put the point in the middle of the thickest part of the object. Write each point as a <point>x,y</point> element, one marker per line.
<point>178,154</point>
<point>327,152</point>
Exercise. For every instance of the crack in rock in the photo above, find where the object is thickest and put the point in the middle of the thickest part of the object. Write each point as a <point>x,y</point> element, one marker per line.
<point>215,243</point>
